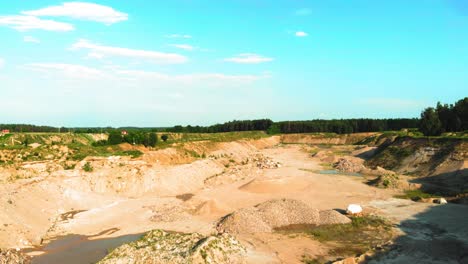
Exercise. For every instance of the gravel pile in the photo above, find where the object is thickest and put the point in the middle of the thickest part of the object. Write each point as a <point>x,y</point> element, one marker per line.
<point>265,162</point>
<point>348,165</point>
<point>246,220</point>
<point>332,217</point>
<point>267,216</point>
<point>284,212</point>
<point>10,256</point>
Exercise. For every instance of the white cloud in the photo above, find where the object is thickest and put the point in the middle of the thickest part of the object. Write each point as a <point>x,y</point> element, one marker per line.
<point>100,51</point>
<point>249,58</point>
<point>190,79</point>
<point>31,39</point>
<point>81,11</point>
<point>301,34</point>
<point>130,78</point>
<point>25,23</point>
<point>303,12</point>
<point>183,46</point>
<point>2,62</point>
<point>178,36</point>
<point>72,71</point>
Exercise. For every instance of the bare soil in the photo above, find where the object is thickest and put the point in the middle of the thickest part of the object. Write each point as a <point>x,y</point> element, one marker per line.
<point>163,190</point>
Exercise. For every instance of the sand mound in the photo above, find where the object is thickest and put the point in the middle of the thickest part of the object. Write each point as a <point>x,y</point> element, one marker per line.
<point>163,247</point>
<point>210,207</point>
<point>332,217</point>
<point>273,214</point>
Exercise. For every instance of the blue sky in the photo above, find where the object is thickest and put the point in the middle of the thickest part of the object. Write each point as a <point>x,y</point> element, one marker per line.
<point>162,63</point>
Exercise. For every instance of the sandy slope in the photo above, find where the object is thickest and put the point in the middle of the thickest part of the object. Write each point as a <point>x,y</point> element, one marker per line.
<point>142,195</point>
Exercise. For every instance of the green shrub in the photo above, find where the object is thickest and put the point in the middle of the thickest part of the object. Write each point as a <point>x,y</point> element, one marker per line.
<point>88,167</point>
<point>100,143</point>
<point>416,195</point>
<point>131,153</point>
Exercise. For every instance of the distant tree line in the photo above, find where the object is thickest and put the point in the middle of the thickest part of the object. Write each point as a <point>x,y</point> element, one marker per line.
<point>242,125</point>
<point>339,126</point>
<point>433,122</point>
<point>343,126</point>
<point>31,128</point>
<point>445,118</point>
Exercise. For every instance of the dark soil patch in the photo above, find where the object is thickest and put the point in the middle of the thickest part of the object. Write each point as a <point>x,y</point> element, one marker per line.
<point>185,197</point>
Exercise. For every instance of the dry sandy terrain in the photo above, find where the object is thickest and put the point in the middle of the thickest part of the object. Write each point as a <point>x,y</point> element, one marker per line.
<point>124,198</point>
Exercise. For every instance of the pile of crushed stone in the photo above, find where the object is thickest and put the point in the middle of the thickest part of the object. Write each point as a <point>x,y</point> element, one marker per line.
<point>349,165</point>
<point>267,216</point>
<point>264,162</point>
<point>159,246</point>
<point>11,256</point>
<point>332,217</point>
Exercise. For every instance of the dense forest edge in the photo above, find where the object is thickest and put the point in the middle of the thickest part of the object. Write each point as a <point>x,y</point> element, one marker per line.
<point>434,121</point>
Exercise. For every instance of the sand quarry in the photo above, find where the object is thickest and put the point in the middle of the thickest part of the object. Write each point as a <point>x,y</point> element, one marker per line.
<point>72,216</point>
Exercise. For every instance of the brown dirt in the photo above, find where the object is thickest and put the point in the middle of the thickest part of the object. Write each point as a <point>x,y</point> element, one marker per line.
<point>135,196</point>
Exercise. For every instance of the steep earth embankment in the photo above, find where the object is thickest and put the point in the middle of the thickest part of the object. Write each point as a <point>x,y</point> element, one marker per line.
<point>440,165</point>
<point>35,206</point>
<point>325,138</point>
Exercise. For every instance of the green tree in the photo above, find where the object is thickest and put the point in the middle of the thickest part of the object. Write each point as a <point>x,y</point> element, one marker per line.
<point>153,139</point>
<point>164,137</point>
<point>115,137</point>
<point>430,124</point>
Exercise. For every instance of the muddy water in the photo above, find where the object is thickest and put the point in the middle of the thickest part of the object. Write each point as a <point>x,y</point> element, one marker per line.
<point>338,172</point>
<point>79,249</point>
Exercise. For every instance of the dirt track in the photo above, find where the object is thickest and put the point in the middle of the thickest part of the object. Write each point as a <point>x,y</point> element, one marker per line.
<point>138,197</point>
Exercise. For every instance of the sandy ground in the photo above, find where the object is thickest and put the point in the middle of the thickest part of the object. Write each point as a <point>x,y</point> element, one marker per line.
<point>104,216</point>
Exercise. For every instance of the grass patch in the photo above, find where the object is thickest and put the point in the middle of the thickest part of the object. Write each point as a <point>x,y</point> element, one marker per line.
<point>361,235</point>
<point>327,165</point>
<point>416,195</point>
<point>348,232</point>
<point>132,153</point>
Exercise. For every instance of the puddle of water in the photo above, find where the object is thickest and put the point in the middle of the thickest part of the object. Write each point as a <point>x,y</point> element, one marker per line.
<point>328,172</point>
<point>78,249</point>
<point>340,173</point>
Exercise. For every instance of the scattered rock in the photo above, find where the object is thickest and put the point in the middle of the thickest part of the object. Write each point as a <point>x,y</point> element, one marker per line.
<point>160,246</point>
<point>440,201</point>
<point>34,145</point>
<point>346,261</point>
<point>354,209</point>
<point>349,165</point>
<point>265,162</point>
<point>168,213</point>
<point>12,256</point>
